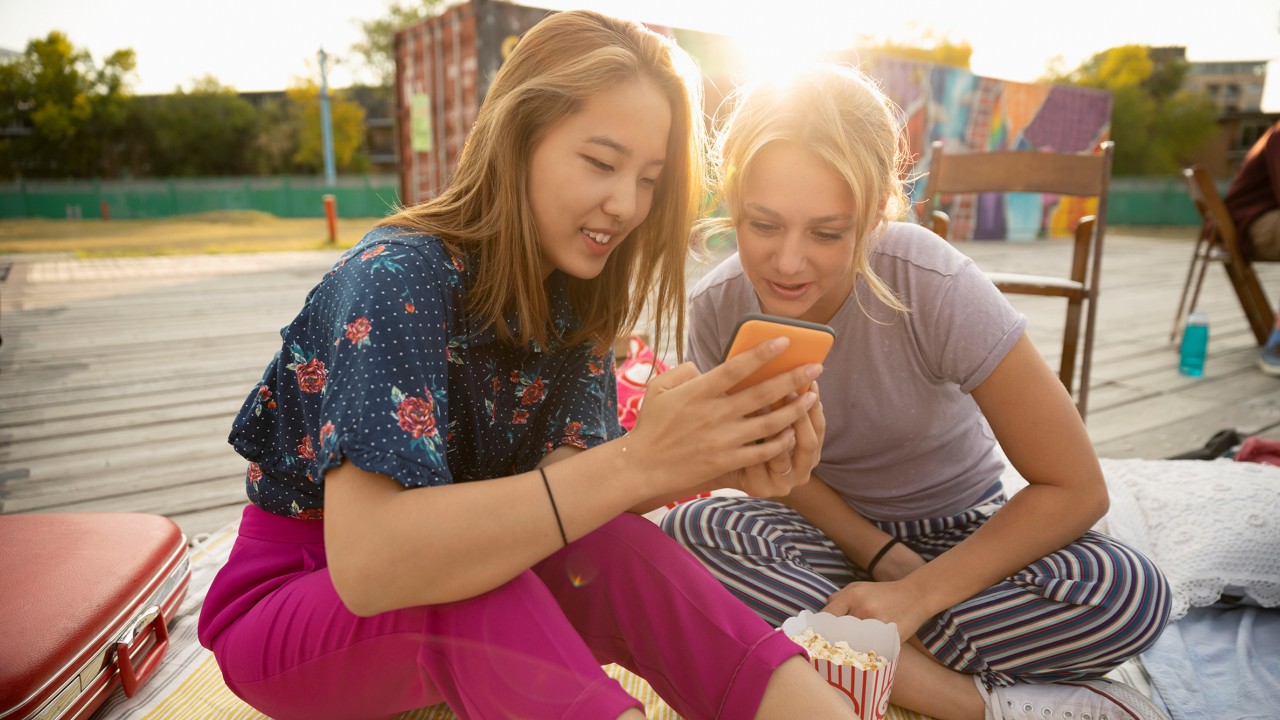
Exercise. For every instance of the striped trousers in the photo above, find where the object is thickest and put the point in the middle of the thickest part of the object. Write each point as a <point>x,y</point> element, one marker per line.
<point>1075,614</point>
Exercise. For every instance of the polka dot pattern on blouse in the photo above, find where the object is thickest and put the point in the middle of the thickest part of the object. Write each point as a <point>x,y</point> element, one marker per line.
<point>384,367</point>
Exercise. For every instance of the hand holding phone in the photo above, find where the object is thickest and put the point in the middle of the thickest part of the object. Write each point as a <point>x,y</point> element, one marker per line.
<point>810,343</point>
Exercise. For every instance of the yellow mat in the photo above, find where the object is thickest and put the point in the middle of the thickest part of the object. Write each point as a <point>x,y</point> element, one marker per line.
<point>203,695</point>
<point>188,684</point>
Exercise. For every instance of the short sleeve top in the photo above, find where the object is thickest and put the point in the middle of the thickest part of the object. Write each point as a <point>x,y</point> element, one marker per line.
<point>384,367</point>
<point>904,438</point>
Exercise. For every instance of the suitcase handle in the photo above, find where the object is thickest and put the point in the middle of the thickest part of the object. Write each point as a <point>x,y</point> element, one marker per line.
<point>132,678</point>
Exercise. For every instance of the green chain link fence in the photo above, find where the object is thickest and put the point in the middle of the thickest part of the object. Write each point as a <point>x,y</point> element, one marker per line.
<point>1133,200</point>
<point>287,196</point>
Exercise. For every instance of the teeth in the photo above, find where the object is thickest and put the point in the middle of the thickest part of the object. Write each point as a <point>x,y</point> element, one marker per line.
<point>601,238</point>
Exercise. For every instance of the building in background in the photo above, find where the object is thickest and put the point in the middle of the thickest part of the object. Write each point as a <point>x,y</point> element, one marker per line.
<point>1237,88</point>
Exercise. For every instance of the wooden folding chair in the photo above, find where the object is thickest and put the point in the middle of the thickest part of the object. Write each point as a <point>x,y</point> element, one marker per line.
<point>1084,175</point>
<point>1218,241</point>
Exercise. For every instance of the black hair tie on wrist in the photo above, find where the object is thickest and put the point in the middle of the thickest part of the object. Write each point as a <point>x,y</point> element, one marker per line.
<point>871,566</point>
<point>554,509</point>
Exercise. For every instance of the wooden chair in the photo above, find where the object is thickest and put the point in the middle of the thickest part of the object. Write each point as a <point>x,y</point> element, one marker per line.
<point>1218,241</point>
<point>1084,175</point>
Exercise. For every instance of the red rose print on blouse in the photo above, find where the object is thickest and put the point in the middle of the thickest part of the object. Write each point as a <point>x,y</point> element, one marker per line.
<point>307,513</point>
<point>417,416</point>
<point>255,474</point>
<point>573,435</point>
<point>328,438</point>
<point>597,360</point>
<point>263,398</point>
<point>311,376</point>
<point>305,449</point>
<point>357,331</point>
<point>530,390</point>
<point>310,371</point>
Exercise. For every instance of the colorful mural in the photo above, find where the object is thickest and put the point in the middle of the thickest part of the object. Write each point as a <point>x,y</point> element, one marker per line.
<point>970,113</point>
<point>445,63</point>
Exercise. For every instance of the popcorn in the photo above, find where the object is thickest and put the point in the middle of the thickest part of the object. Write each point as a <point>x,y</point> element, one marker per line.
<point>840,653</point>
<point>863,676</point>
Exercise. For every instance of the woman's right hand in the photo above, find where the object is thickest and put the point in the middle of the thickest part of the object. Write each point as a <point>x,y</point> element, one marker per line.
<point>690,431</point>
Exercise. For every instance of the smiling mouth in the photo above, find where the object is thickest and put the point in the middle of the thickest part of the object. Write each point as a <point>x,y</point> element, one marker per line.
<point>598,237</point>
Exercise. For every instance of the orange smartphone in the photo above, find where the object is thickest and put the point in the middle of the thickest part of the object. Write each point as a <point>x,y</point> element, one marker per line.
<point>810,343</point>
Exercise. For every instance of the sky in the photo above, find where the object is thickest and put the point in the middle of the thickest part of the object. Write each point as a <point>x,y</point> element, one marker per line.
<point>267,44</point>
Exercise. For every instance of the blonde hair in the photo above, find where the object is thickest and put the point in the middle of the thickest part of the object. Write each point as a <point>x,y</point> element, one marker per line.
<point>484,211</point>
<point>840,115</point>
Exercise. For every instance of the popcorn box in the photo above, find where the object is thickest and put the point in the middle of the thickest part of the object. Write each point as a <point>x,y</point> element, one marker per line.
<point>867,690</point>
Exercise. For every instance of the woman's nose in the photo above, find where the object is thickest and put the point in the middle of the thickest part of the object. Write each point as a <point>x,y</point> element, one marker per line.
<point>621,202</point>
<point>790,257</point>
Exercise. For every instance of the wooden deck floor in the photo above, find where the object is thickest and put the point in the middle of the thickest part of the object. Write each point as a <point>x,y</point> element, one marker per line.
<point>119,378</point>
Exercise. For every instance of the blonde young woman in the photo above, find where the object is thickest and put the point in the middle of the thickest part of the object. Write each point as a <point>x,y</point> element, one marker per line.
<point>1009,609</point>
<point>437,479</point>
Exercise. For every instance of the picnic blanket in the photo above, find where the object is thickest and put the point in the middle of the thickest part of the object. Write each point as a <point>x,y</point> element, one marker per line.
<point>1212,526</point>
<point>189,685</point>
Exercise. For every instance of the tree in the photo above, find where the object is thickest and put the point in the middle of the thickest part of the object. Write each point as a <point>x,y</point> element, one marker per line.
<point>276,141</point>
<point>348,129</point>
<point>208,130</point>
<point>378,49</point>
<point>63,114</point>
<point>928,48</point>
<point>1158,126</point>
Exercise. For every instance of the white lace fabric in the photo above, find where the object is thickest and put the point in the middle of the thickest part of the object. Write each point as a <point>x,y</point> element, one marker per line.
<point>1212,526</point>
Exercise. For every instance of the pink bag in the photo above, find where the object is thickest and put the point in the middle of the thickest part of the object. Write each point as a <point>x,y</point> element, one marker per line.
<point>633,375</point>
<point>1259,450</point>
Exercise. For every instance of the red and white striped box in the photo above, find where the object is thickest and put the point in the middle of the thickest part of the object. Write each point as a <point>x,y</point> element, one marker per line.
<point>867,690</point>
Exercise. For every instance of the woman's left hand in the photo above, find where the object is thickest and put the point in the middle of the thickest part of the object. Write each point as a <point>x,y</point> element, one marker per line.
<point>777,476</point>
<point>894,602</point>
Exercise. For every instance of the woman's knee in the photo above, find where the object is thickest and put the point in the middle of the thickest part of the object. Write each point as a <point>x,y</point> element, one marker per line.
<point>691,523</point>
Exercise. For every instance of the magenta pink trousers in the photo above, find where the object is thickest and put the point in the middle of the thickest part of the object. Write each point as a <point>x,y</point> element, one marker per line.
<point>532,648</point>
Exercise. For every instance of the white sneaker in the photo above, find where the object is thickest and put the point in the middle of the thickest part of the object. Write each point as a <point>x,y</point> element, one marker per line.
<point>1073,700</point>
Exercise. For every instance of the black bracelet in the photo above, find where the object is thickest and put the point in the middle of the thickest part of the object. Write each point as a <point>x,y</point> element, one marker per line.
<point>554,509</point>
<point>871,566</point>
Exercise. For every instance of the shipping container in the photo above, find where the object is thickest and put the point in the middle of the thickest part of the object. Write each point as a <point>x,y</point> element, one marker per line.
<point>445,64</point>
<point>443,67</point>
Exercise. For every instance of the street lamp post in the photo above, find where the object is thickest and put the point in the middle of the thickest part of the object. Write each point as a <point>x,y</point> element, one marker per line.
<point>326,124</point>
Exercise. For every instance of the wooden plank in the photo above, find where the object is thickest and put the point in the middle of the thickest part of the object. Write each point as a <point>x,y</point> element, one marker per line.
<point>37,495</point>
<point>67,470</point>
<point>209,424</point>
<point>119,380</point>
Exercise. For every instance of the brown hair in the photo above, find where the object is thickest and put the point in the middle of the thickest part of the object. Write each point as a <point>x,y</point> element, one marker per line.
<point>484,212</point>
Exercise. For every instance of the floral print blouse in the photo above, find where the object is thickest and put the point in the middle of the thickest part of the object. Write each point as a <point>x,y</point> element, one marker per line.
<point>384,367</point>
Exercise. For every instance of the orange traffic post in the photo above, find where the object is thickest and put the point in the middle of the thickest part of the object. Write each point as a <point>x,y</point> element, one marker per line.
<point>331,215</point>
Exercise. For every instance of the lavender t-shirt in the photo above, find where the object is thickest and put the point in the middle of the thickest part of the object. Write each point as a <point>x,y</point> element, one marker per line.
<point>904,439</point>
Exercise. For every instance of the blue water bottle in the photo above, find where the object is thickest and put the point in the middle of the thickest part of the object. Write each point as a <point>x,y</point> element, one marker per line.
<point>1195,341</point>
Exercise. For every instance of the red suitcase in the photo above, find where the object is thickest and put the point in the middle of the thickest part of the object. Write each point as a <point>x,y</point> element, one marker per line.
<point>85,602</point>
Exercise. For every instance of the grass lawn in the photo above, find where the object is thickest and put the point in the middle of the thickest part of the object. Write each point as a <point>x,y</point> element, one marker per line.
<point>219,232</point>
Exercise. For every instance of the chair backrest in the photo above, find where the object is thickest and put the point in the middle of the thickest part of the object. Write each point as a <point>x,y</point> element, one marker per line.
<point>1222,242</point>
<point>1086,175</point>
<point>1213,212</point>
